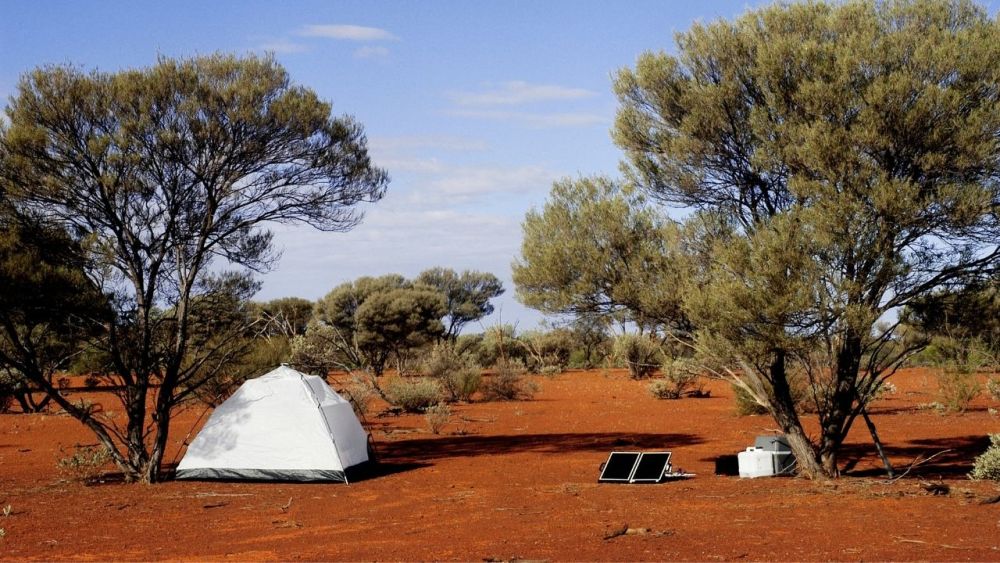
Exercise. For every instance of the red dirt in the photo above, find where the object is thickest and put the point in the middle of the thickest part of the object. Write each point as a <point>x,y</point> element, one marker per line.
<point>518,481</point>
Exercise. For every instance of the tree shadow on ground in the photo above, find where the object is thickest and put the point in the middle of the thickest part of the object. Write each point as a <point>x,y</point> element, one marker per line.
<point>954,459</point>
<point>428,449</point>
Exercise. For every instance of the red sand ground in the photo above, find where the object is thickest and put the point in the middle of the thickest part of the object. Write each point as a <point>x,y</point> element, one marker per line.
<point>518,481</point>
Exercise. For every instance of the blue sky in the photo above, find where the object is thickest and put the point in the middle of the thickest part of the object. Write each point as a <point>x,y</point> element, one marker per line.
<point>473,107</point>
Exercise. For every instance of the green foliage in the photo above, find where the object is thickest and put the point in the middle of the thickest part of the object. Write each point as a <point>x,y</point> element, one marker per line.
<point>400,319</point>
<point>48,306</point>
<point>467,295</point>
<point>596,249</point>
<point>840,159</point>
<point>508,382</point>
<point>412,394</point>
<point>970,313</point>
<point>371,320</point>
<point>639,353</point>
<point>458,376</point>
<point>987,465</point>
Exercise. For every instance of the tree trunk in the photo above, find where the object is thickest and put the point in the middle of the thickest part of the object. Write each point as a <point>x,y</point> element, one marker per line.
<point>783,411</point>
<point>154,468</point>
<point>836,424</point>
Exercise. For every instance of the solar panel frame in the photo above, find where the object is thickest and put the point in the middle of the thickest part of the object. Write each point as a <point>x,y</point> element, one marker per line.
<point>662,464</point>
<point>604,478</point>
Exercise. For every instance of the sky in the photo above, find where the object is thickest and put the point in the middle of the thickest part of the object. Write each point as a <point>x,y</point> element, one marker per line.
<point>473,107</point>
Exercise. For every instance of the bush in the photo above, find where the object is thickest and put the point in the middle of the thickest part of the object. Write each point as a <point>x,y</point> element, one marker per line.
<point>8,387</point>
<point>508,383</point>
<point>459,377</point>
<point>86,464</point>
<point>360,393</point>
<point>680,376</point>
<point>993,388</point>
<point>412,394</point>
<point>957,388</point>
<point>987,465</point>
<point>550,371</point>
<point>639,354</point>
<point>437,416</point>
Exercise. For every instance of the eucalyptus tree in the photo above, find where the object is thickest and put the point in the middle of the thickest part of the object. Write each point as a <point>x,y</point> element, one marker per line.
<point>598,250</point>
<point>843,160</point>
<point>167,175</point>
<point>467,295</point>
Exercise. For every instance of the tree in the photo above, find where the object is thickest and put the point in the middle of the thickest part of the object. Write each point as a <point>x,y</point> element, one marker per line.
<point>332,339</point>
<point>968,312</point>
<point>48,307</point>
<point>843,161</point>
<point>399,320</point>
<point>597,249</point>
<point>468,295</point>
<point>168,173</point>
<point>287,316</point>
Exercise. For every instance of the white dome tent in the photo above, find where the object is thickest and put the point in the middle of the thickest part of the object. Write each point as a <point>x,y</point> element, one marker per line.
<point>283,426</point>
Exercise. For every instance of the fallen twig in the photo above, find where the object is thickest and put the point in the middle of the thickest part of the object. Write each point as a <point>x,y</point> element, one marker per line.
<point>916,463</point>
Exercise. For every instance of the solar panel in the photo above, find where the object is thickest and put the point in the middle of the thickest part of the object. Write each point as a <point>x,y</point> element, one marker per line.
<point>619,467</point>
<point>650,467</point>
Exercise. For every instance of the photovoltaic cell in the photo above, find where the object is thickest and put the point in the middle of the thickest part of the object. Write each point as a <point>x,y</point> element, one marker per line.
<point>618,468</point>
<point>650,467</point>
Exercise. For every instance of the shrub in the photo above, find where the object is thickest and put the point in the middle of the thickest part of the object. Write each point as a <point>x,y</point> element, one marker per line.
<point>956,389</point>
<point>987,465</point>
<point>508,383</point>
<point>993,388</point>
<point>86,464</point>
<point>550,371</point>
<point>360,393</point>
<point>412,394</point>
<point>680,376</point>
<point>459,377</point>
<point>8,387</point>
<point>639,354</point>
<point>437,416</point>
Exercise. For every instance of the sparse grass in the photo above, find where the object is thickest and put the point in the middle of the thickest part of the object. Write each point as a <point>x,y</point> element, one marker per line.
<point>957,388</point>
<point>437,416</point>
<point>993,388</point>
<point>86,463</point>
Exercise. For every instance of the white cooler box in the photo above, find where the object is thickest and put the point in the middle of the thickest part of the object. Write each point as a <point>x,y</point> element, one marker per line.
<point>758,462</point>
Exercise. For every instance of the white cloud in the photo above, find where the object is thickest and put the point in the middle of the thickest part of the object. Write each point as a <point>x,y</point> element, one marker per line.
<point>536,119</point>
<point>440,142</point>
<point>520,92</point>
<point>347,32</point>
<point>283,46</point>
<point>472,181</point>
<point>370,52</point>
